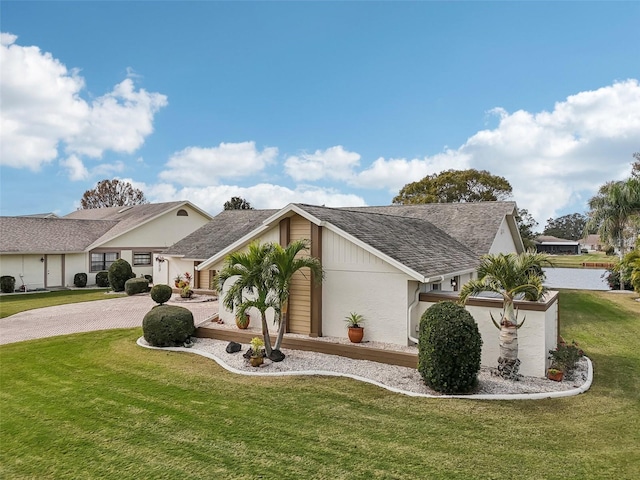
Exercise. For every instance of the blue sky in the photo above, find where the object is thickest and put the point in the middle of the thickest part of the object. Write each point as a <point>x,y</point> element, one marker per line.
<point>335,103</point>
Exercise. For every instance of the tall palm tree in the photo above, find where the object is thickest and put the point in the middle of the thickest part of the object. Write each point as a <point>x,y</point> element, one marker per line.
<point>253,286</point>
<point>510,276</point>
<point>286,261</point>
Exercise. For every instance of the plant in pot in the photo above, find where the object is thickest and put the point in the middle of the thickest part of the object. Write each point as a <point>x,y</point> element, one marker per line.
<point>177,281</point>
<point>564,359</point>
<point>243,320</point>
<point>354,327</point>
<point>257,352</point>
<point>555,374</point>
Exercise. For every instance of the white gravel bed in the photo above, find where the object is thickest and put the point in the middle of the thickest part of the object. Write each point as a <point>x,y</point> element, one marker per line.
<point>395,377</point>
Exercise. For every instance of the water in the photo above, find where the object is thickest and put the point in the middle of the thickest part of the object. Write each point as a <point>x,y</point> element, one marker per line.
<point>576,278</point>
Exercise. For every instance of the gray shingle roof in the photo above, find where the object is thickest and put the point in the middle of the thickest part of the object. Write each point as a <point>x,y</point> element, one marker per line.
<point>49,235</point>
<point>225,228</point>
<point>414,242</point>
<point>474,224</point>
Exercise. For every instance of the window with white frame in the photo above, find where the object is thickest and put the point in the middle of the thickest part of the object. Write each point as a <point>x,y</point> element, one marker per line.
<point>102,261</point>
<point>142,258</point>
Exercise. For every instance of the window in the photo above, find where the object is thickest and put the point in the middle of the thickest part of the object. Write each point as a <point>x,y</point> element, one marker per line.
<point>182,213</point>
<point>142,258</point>
<point>435,287</point>
<point>102,261</point>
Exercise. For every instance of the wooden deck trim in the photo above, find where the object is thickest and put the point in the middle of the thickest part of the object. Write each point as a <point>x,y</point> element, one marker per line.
<point>541,306</point>
<point>360,352</point>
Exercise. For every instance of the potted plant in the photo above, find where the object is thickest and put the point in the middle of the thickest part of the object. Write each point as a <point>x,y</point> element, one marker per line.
<point>555,374</point>
<point>354,329</point>
<point>257,352</point>
<point>242,321</point>
<point>177,281</point>
<point>186,292</point>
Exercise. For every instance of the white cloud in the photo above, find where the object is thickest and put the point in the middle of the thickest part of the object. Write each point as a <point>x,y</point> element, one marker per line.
<point>333,163</point>
<point>206,166</point>
<point>42,111</point>
<point>75,167</point>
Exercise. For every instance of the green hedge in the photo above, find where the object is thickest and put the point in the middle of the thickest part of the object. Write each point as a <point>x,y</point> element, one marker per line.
<point>119,272</point>
<point>136,285</point>
<point>161,293</point>
<point>7,284</point>
<point>168,326</point>
<point>102,278</point>
<point>80,280</point>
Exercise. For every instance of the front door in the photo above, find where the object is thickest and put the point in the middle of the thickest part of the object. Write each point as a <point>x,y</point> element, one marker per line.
<point>54,271</point>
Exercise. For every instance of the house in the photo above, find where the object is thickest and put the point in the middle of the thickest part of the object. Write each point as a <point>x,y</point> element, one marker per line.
<point>556,246</point>
<point>387,263</point>
<point>592,243</point>
<point>46,251</point>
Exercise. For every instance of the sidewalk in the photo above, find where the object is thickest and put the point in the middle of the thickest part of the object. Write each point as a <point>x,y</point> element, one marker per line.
<point>125,312</point>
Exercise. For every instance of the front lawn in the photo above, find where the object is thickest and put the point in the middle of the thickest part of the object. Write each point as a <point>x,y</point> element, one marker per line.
<point>95,405</point>
<point>19,302</point>
<point>576,261</point>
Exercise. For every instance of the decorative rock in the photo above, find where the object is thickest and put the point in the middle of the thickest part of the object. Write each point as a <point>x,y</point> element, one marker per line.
<point>276,356</point>
<point>233,347</point>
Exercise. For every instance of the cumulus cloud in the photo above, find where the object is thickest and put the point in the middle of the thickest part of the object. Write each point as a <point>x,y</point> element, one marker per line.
<point>206,166</point>
<point>334,163</point>
<point>43,112</point>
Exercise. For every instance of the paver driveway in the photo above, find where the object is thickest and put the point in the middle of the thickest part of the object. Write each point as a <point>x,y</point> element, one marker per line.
<point>125,312</point>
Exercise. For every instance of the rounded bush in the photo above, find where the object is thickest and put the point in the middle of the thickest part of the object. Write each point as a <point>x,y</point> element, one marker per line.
<point>149,277</point>
<point>80,280</point>
<point>168,326</point>
<point>119,272</point>
<point>7,284</point>
<point>102,279</point>
<point>449,348</point>
<point>136,285</point>
<point>161,293</point>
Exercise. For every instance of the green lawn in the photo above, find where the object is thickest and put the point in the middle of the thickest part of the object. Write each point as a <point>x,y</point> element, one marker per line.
<point>576,261</point>
<point>11,304</point>
<point>97,406</point>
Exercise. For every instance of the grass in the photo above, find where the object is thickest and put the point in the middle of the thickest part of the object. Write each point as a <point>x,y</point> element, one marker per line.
<point>95,405</point>
<point>12,304</point>
<point>576,261</point>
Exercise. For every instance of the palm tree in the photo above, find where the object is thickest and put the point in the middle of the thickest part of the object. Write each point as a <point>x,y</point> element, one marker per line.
<point>286,262</point>
<point>253,286</point>
<point>510,276</point>
<point>612,209</point>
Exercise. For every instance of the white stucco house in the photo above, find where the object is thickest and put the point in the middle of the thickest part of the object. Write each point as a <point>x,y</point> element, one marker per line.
<point>387,263</point>
<point>46,251</point>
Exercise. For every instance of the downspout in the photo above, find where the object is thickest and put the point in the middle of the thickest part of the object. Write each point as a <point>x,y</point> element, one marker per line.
<point>416,299</point>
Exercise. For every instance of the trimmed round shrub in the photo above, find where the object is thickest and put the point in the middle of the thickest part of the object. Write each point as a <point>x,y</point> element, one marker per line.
<point>80,280</point>
<point>168,326</point>
<point>7,284</point>
<point>149,278</point>
<point>449,348</point>
<point>102,278</point>
<point>119,272</point>
<point>161,293</point>
<point>136,285</point>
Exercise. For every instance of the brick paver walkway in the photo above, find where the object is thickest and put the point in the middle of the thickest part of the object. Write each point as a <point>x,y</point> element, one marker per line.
<point>125,312</point>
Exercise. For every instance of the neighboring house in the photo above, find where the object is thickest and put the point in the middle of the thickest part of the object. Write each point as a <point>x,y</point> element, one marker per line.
<point>592,243</point>
<point>556,246</point>
<point>45,251</point>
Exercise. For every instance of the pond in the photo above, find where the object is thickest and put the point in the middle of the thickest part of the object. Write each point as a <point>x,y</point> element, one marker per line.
<point>576,278</point>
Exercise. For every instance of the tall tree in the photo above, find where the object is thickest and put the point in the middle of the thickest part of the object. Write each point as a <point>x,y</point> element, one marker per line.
<point>635,166</point>
<point>455,186</point>
<point>509,276</point>
<point>287,261</point>
<point>526,224</point>
<point>612,210</point>
<point>112,193</point>
<point>569,227</point>
<point>237,203</point>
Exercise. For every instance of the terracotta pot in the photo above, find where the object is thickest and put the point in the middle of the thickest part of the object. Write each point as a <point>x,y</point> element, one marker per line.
<point>356,334</point>
<point>555,376</point>
<point>243,324</point>
<point>256,361</point>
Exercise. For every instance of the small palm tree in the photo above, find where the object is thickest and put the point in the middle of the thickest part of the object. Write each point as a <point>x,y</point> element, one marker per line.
<point>510,276</point>
<point>286,261</point>
<point>253,286</point>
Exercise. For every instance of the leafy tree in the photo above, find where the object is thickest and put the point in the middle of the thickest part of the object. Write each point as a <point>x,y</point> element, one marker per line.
<point>455,186</point>
<point>569,227</point>
<point>613,209</point>
<point>253,286</point>
<point>635,166</point>
<point>112,193</point>
<point>237,203</point>
<point>286,262</point>
<point>509,276</point>
<point>526,224</point>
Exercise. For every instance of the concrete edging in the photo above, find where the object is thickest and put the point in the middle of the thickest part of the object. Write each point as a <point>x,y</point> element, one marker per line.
<point>515,396</point>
